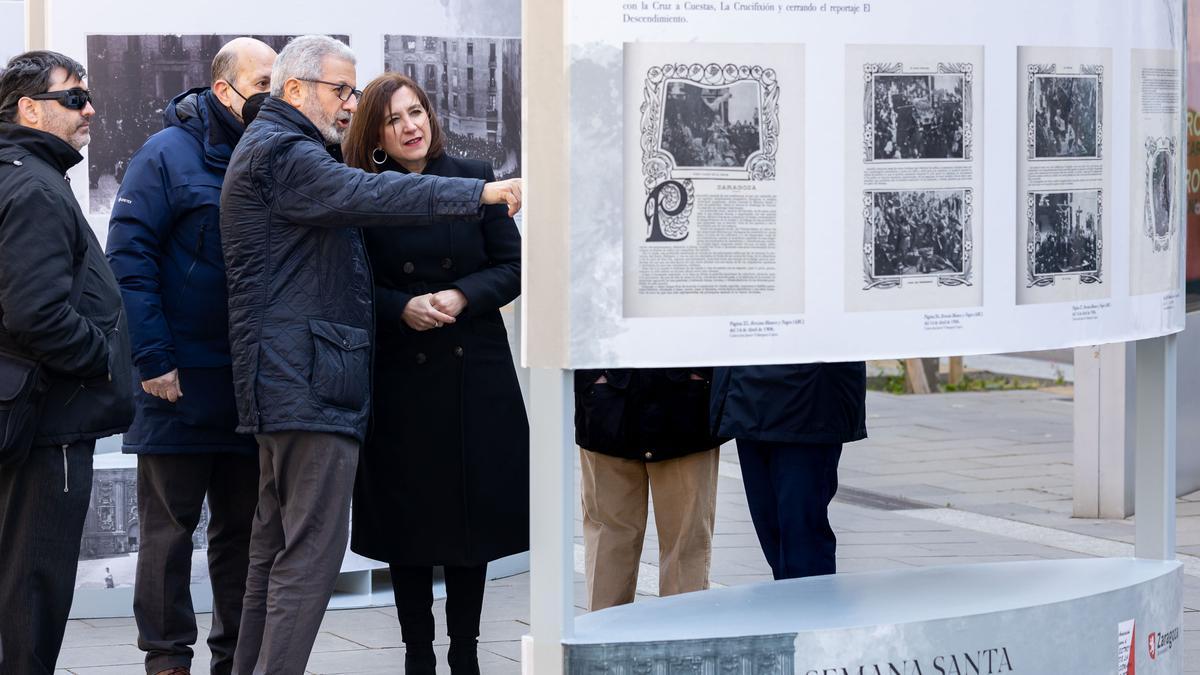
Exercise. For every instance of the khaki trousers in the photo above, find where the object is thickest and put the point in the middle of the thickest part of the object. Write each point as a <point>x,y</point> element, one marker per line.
<point>615,500</point>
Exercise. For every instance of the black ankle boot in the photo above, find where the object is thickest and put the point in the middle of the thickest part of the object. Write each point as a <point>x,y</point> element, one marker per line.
<point>463,657</point>
<point>419,659</point>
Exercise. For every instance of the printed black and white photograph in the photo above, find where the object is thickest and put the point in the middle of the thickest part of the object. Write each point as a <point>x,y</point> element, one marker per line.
<point>1065,116</point>
<point>714,127</point>
<point>709,122</point>
<point>474,86</point>
<point>133,78</point>
<point>1160,191</point>
<point>1065,236</point>
<point>917,233</point>
<point>918,117</point>
<point>112,533</point>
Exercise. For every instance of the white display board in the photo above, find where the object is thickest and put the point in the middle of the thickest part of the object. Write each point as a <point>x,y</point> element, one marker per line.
<point>772,182</point>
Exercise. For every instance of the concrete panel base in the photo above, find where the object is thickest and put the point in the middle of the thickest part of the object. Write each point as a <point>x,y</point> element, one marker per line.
<point>1056,616</point>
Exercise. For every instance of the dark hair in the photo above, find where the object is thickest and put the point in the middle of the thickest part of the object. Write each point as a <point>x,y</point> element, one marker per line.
<point>28,74</point>
<point>373,109</point>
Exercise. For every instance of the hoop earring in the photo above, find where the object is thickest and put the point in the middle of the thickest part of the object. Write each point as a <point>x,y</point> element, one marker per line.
<point>375,157</point>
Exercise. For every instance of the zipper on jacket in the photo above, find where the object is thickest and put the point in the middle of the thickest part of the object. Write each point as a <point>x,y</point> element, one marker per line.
<point>187,278</point>
<point>66,475</point>
<point>75,393</point>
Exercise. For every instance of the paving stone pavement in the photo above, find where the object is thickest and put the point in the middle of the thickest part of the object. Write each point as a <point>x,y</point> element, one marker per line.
<point>982,459</point>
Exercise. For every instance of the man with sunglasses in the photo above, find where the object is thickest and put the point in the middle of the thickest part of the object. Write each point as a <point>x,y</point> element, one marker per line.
<point>59,307</point>
<point>301,323</point>
<point>164,246</point>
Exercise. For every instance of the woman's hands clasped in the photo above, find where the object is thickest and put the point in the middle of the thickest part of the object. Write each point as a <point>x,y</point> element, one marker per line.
<point>434,310</point>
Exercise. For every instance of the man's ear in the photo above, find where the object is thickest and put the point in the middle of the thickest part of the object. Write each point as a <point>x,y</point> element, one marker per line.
<point>29,113</point>
<point>293,92</point>
<point>220,89</point>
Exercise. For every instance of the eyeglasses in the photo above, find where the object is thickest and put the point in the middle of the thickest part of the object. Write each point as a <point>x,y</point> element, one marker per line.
<point>76,98</point>
<point>342,91</point>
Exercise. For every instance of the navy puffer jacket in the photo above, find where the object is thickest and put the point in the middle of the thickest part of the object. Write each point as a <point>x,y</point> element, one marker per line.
<point>804,403</point>
<point>164,244</point>
<point>300,291</point>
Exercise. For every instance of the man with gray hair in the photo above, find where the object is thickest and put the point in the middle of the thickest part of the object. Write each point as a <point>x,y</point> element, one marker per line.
<point>301,322</point>
<point>164,246</point>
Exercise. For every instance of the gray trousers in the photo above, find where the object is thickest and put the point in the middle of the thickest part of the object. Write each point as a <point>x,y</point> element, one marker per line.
<point>43,503</point>
<point>300,532</point>
<point>171,491</point>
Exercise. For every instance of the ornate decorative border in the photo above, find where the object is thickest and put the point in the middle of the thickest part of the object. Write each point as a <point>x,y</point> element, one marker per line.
<point>871,70</point>
<point>658,165</point>
<point>1043,69</point>
<point>1038,280</point>
<point>963,278</point>
<point>1155,147</point>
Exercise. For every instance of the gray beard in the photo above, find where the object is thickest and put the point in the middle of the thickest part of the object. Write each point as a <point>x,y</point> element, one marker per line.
<point>326,126</point>
<point>332,134</point>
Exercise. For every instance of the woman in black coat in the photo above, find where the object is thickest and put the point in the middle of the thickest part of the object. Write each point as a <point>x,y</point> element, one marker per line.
<point>444,473</point>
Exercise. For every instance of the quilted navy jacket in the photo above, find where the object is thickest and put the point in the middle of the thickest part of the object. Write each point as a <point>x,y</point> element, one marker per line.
<point>300,290</point>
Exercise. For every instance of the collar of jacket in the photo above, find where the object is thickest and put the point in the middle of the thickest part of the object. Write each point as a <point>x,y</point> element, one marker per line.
<point>283,113</point>
<point>45,146</point>
<point>200,114</point>
<point>432,167</point>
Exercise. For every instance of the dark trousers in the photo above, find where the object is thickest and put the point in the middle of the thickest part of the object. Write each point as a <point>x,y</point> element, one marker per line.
<point>171,491</point>
<point>43,503</point>
<point>413,587</point>
<point>788,488</point>
<point>301,527</point>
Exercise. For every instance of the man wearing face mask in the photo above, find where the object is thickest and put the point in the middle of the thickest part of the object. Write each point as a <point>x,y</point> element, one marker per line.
<point>164,246</point>
<point>301,323</point>
<point>60,309</point>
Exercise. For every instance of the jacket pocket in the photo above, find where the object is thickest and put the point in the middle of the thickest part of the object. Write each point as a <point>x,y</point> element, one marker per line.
<point>689,409</point>
<point>340,365</point>
<point>21,389</point>
<point>600,423</point>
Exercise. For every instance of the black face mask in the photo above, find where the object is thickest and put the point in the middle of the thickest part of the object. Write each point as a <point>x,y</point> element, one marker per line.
<point>252,105</point>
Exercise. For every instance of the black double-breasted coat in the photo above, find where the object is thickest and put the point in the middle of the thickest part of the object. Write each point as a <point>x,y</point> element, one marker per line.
<point>444,473</point>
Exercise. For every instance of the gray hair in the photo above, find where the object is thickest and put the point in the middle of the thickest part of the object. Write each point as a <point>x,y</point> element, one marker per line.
<point>303,59</point>
<point>224,65</point>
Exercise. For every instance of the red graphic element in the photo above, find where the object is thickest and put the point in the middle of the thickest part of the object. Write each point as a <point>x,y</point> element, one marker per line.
<point>1131,670</point>
<point>1153,646</point>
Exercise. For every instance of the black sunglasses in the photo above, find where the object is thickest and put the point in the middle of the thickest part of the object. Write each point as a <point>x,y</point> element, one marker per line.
<point>76,98</point>
<point>342,91</point>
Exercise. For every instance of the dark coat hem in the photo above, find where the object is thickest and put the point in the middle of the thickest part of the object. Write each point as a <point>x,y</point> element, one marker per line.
<point>815,438</point>
<point>300,425</point>
<point>190,449</point>
<point>384,556</point>
<point>62,439</point>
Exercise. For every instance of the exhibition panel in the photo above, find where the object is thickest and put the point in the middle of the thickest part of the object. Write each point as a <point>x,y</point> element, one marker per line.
<point>764,182</point>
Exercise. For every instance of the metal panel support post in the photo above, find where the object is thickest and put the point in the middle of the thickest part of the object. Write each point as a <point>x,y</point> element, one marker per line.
<point>1155,438</point>
<point>552,521</point>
